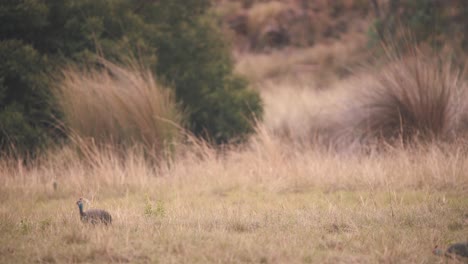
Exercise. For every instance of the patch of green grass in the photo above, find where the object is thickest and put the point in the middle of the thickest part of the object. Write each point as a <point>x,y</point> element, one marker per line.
<point>156,210</point>
<point>245,226</point>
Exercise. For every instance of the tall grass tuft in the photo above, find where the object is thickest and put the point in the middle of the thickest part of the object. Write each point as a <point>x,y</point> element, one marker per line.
<point>112,105</point>
<point>415,98</point>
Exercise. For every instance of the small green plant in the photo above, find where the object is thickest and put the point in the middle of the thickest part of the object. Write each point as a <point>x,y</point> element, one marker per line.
<point>25,226</point>
<point>160,211</point>
<point>45,223</point>
<point>150,210</point>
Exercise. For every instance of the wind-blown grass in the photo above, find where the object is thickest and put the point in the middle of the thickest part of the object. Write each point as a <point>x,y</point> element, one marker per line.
<point>414,98</point>
<point>120,106</point>
<point>269,202</point>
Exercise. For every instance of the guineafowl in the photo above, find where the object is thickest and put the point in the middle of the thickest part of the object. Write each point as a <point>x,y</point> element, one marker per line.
<point>457,250</point>
<point>93,216</point>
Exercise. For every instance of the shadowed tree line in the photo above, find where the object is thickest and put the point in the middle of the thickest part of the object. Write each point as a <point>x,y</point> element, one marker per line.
<point>435,21</point>
<point>176,39</point>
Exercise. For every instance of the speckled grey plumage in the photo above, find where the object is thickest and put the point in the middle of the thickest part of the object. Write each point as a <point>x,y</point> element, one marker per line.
<point>94,216</point>
<point>458,250</point>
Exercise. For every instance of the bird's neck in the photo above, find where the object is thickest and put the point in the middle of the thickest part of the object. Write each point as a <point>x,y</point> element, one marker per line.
<point>438,251</point>
<point>80,206</point>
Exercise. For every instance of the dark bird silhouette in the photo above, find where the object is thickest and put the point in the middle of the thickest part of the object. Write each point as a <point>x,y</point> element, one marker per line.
<point>457,250</point>
<point>94,216</point>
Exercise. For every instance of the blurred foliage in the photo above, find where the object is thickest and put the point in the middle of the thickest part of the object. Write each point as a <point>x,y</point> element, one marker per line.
<point>193,58</point>
<point>25,111</point>
<point>436,22</point>
<point>175,38</point>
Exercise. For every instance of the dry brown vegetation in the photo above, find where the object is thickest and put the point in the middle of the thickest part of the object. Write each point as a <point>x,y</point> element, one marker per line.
<point>314,42</point>
<point>118,105</point>
<point>415,98</point>
<point>270,203</point>
<point>266,25</point>
<point>350,164</point>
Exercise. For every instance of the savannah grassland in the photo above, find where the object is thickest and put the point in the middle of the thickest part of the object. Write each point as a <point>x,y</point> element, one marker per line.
<point>301,190</point>
<point>268,204</point>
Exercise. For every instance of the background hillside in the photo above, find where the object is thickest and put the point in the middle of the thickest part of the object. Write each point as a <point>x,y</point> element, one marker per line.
<point>316,62</point>
<point>327,39</point>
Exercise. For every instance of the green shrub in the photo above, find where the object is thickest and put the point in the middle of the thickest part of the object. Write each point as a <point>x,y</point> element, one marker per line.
<point>193,57</point>
<point>25,111</point>
<point>176,39</point>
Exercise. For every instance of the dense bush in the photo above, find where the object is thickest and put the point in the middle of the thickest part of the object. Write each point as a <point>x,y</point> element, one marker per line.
<point>175,38</point>
<point>25,112</point>
<point>434,21</point>
<point>193,58</point>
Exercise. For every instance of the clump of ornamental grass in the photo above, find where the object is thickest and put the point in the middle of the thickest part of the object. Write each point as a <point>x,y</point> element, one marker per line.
<point>123,106</point>
<point>416,98</point>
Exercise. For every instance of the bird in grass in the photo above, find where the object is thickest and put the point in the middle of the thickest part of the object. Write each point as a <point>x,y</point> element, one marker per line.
<point>94,216</point>
<point>457,251</point>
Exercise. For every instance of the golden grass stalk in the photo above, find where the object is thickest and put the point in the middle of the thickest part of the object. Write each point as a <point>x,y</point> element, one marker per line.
<point>301,202</point>
<point>118,105</point>
<point>416,97</point>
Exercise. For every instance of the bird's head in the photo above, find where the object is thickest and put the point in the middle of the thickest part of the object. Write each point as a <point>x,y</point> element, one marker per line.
<point>437,251</point>
<point>80,202</point>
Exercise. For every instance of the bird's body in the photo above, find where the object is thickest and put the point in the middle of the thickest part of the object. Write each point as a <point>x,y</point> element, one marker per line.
<point>93,216</point>
<point>457,250</point>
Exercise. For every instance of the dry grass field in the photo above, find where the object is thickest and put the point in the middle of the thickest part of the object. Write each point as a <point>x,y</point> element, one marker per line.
<point>317,183</point>
<point>268,203</point>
